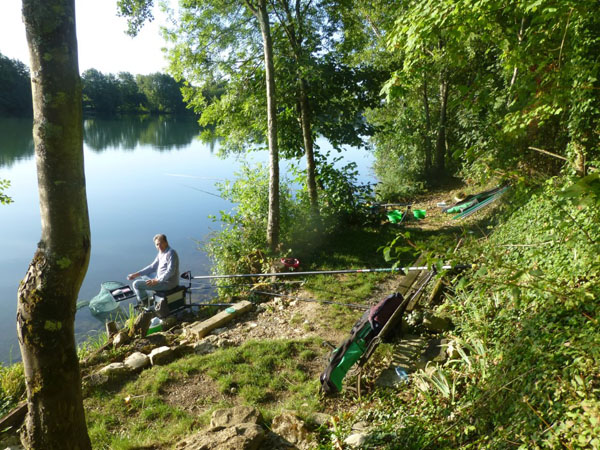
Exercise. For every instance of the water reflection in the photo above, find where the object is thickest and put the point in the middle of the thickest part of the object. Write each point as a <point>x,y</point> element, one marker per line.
<point>126,133</point>
<point>16,140</point>
<point>162,133</point>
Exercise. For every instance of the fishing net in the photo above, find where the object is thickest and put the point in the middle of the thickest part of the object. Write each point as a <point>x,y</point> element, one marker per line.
<point>104,301</point>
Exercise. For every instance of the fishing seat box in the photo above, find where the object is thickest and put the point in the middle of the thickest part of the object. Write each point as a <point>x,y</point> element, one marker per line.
<point>175,297</point>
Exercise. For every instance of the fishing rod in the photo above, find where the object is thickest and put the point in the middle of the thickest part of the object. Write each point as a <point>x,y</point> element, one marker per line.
<point>330,272</point>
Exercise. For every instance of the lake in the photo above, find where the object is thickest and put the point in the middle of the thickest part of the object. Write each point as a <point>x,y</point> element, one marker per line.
<point>144,176</point>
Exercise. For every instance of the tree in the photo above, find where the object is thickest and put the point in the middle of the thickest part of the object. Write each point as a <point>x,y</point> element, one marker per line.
<point>15,87</point>
<point>517,75</point>
<point>224,49</point>
<point>101,93</point>
<point>162,91</point>
<point>132,99</point>
<point>48,293</point>
<point>259,9</point>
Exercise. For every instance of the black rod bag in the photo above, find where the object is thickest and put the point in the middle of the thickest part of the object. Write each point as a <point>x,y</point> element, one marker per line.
<point>362,334</point>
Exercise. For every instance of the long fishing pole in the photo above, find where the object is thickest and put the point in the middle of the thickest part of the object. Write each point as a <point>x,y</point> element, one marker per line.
<point>328,272</point>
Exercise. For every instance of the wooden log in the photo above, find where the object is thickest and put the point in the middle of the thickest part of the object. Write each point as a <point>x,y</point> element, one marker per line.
<point>15,418</point>
<point>201,329</point>
<point>409,279</point>
<point>413,301</point>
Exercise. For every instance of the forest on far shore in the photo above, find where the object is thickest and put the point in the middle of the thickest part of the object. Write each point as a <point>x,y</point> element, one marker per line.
<point>103,94</point>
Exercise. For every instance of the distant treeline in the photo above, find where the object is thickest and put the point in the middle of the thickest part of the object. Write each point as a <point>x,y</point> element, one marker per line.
<point>15,88</point>
<point>103,94</point>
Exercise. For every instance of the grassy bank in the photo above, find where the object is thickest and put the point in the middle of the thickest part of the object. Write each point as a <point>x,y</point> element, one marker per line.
<point>523,373</point>
<point>526,372</point>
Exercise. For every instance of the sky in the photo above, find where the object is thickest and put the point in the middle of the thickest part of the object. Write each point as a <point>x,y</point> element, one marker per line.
<point>102,42</point>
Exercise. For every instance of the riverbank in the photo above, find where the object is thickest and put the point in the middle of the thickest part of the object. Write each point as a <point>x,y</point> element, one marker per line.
<point>520,365</point>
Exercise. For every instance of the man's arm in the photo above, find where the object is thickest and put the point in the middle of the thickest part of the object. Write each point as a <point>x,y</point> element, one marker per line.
<point>145,271</point>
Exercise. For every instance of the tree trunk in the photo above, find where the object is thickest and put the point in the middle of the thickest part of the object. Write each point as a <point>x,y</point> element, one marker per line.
<point>427,135</point>
<point>305,121</point>
<point>440,145</point>
<point>273,216</point>
<point>293,24</point>
<point>48,293</point>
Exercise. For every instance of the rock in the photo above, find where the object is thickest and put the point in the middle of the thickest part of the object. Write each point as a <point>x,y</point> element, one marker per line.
<point>435,351</point>
<point>115,370</point>
<point>151,342</point>
<point>183,350</point>
<point>205,347</point>
<point>161,355</point>
<point>121,338</point>
<point>321,418</point>
<point>292,429</point>
<point>141,324</point>
<point>218,331</point>
<point>137,361</point>
<point>360,426</point>
<point>224,418</point>
<point>93,380</point>
<point>436,324</point>
<point>356,440</point>
<point>225,343</point>
<point>245,436</point>
<point>111,328</point>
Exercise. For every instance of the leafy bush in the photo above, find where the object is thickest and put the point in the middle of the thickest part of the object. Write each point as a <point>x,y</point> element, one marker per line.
<point>240,246</point>
<point>12,386</point>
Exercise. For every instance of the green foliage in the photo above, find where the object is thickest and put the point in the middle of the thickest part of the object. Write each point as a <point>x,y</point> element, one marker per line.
<point>241,244</point>
<point>520,75</point>
<point>124,93</point>
<point>341,197</point>
<point>137,13</point>
<point>4,199</point>
<point>12,386</point>
<point>526,341</point>
<point>162,92</point>
<point>15,88</point>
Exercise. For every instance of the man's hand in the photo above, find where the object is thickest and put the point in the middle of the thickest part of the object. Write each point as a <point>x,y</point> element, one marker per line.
<point>133,276</point>
<point>152,282</point>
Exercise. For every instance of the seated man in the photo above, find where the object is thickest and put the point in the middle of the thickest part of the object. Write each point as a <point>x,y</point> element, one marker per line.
<point>165,267</point>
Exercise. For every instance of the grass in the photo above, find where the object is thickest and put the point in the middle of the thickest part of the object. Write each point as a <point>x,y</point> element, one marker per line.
<point>12,386</point>
<point>270,375</point>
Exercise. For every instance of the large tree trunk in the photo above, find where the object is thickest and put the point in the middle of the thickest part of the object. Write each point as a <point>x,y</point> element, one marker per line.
<point>48,293</point>
<point>273,217</point>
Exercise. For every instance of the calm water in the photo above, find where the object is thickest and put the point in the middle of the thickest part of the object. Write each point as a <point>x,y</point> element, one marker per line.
<point>144,176</point>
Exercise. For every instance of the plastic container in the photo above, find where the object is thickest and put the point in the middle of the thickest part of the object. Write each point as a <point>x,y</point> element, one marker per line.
<point>419,214</point>
<point>155,326</point>
<point>395,216</point>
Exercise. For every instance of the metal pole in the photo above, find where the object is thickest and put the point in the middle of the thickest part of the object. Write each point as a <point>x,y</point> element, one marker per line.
<point>326,272</point>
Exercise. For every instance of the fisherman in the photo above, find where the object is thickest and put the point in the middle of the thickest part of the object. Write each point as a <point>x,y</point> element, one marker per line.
<point>164,268</point>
